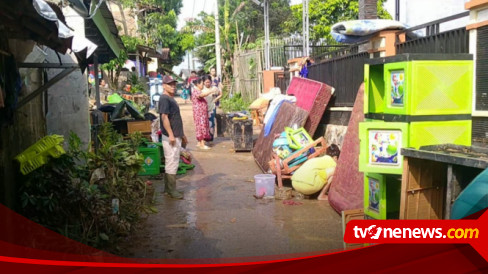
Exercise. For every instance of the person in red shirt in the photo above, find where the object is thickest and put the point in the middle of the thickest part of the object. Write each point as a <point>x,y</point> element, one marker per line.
<point>193,77</point>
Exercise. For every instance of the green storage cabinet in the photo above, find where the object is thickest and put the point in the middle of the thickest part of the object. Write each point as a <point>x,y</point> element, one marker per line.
<point>437,133</point>
<point>381,142</point>
<point>415,84</point>
<point>374,89</point>
<point>380,146</point>
<point>152,160</point>
<point>382,196</point>
<point>411,100</point>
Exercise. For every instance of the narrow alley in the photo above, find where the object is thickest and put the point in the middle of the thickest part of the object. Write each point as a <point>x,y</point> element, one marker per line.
<point>220,218</point>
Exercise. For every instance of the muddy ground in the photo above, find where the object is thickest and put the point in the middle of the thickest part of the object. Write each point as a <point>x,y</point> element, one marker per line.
<point>220,218</point>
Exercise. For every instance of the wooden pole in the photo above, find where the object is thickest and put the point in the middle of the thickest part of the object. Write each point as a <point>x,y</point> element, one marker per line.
<point>97,81</point>
<point>450,183</point>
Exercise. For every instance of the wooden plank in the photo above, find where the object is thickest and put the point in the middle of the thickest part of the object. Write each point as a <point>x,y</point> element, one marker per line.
<point>403,194</point>
<point>417,205</point>
<point>414,183</point>
<point>142,126</point>
<point>450,182</point>
<point>348,215</point>
<point>422,189</point>
<point>278,171</point>
<point>438,209</point>
<point>410,206</point>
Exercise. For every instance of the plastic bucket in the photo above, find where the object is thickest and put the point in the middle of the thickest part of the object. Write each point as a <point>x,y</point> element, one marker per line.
<point>265,184</point>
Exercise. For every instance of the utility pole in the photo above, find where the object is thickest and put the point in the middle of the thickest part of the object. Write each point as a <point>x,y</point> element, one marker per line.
<point>217,40</point>
<point>265,5</point>
<point>188,57</point>
<point>397,10</point>
<point>97,81</point>
<point>306,28</point>
<point>267,63</point>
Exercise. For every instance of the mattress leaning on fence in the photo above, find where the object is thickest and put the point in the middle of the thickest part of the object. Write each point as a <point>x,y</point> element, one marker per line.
<point>360,30</point>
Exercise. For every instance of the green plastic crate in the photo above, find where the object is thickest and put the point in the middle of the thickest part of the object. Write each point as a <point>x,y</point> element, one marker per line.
<point>37,155</point>
<point>152,160</point>
<point>441,87</point>
<point>382,196</point>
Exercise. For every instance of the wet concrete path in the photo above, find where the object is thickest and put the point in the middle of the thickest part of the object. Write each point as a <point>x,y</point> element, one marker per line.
<point>220,218</point>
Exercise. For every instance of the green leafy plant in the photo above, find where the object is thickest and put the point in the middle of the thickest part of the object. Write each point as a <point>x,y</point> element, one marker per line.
<point>136,85</point>
<point>74,194</point>
<point>324,14</point>
<point>233,103</point>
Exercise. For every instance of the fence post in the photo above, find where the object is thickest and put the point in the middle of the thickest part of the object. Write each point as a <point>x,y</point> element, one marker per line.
<point>236,70</point>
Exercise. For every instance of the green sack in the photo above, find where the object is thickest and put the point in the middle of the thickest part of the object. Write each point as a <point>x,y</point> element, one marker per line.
<point>119,110</point>
<point>115,99</point>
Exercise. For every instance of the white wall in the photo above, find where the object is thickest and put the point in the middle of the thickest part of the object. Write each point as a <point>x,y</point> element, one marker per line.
<point>417,12</point>
<point>68,107</point>
<point>74,21</point>
<point>68,102</point>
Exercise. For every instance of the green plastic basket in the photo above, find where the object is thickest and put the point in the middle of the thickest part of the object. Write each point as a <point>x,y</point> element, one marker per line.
<point>37,154</point>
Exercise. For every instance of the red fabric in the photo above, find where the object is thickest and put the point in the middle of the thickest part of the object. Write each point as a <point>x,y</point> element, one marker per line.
<point>191,79</point>
<point>200,115</point>
<point>305,90</point>
<point>347,187</point>
<point>318,108</point>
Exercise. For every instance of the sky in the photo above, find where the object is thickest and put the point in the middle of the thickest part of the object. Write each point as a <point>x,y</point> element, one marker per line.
<point>191,8</point>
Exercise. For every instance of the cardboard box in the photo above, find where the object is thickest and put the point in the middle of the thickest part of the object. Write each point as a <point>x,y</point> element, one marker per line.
<point>142,126</point>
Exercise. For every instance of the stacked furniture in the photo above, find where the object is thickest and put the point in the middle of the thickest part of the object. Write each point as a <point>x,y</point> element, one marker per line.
<point>410,100</point>
<point>284,168</point>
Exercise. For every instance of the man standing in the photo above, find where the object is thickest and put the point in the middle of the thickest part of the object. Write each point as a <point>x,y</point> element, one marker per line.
<point>173,135</point>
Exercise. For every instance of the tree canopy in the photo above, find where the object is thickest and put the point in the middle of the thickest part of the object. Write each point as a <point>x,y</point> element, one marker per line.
<point>324,14</point>
<point>243,21</point>
<point>164,6</point>
<point>238,20</point>
<point>157,25</point>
